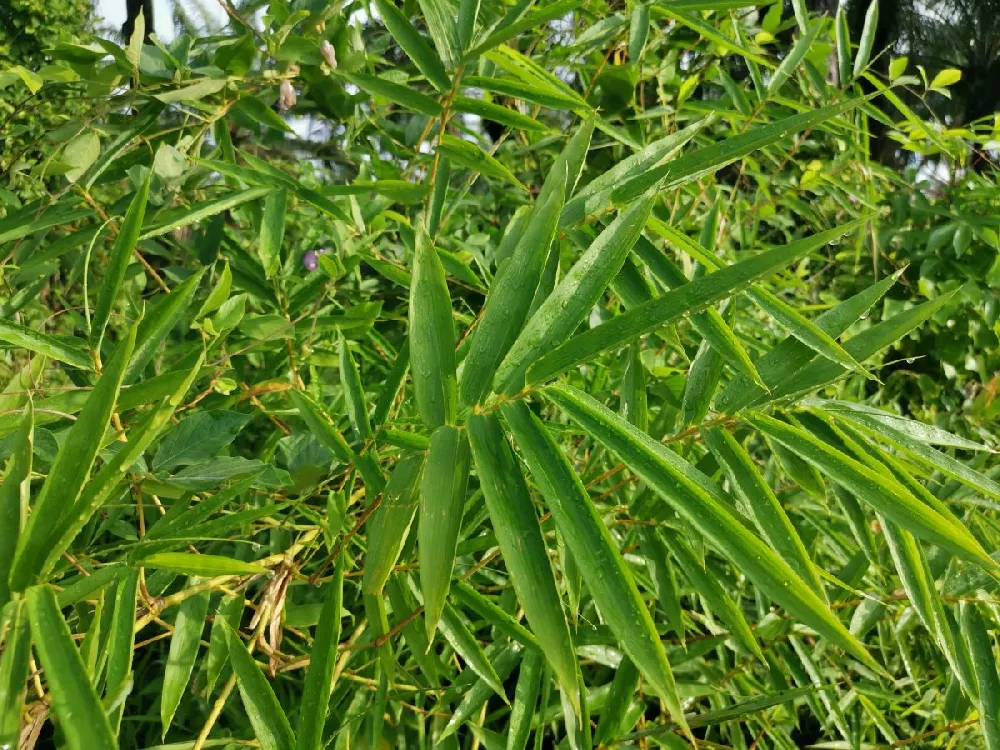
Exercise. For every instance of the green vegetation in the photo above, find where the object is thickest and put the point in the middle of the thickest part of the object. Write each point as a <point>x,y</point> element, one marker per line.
<point>472,374</point>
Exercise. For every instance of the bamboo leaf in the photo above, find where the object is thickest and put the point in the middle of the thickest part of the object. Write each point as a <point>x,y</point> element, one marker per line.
<point>985,667</point>
<point>204,566</point>
<point>63,349</point>
<point>121,635</point>
<point>443,30</point>
<point>266,716</point>
<point>14,495</point>
<point>471,156</point>
<point>14,665</point>
<point>81,717</point>
<point>548,12</point>
<point>395,92</point>
<point>529,679</point>
<point>414,45</point>
<point>759,563</point>
<point>159,320</point>
<point>228,614</point>
<point>168,221</point>
<point>868,33</point>
<point>354,393</point>
<point>184,643</point>
<point>320,426</point>
<point>389,526</point>
<point>272,231</point>
<point>465,645</point>
<point>520,539</point>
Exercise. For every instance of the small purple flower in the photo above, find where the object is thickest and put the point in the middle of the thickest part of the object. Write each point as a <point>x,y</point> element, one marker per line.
<point>310,260</point>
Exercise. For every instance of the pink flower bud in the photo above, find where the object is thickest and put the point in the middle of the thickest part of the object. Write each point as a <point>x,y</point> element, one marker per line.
<point>286,96</point>
<point>326,49</point>
<point>310,261</point>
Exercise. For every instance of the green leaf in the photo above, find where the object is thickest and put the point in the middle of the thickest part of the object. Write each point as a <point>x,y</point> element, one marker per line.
<point>663,473</point>
<point>881,492</point>
<point>118,260</point>
<point>441,24</point>
<point>701,383</point>
<point>471,156</point>
<point>529,681</point>
<point>389,525</point>
<point>269,722</point>
<point>638,31</point>
<point>121,636</point>
<point>572,299</point>
<point>530,72</point>
<point>69,471</point>
<point>198,438</point>
<point>468,11</point>
<point>684,300</point>
<point>204,566</point>
<point>794,57</point>
<point>985,667</point>
<point>474,698</point>
<point>432,337</point>
<point>321,427</point>
<point>464,642</point>
<point>548,12</point>
<point>403,95</point>
<point>498,113</point>
<point>81,717</point>
<point>522,546</point>
<point>192,92</point>
<point>620,697</point>
<point>14,664</point>
<point>471,599</point>
<point>527,91</point>
<point>168,221</point>
<point>160,319</point>
<point>14,494</point>
<point>710,33</point>
<point>603,569</point>
<point>765,508</point>
<point>228,614</point>
<point>414,45</point>
<point>322,661</point>
<point>442,500</point>
<point>272,231</point>
<point>65,350</point>
<point>511,294</point>
<point>184,644</point>
<point>843,41</point>
<point>867,38</point>
<point>712,158</point>
<point>354,394</point>
<point>946,77</point>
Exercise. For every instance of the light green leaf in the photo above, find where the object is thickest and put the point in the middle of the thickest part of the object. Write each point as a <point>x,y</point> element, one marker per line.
<point>403,95</point>
<point>65,350</point>
<point>414,45</point>
<point>272,231</point>
<point>184,644</point>
<point>471,156</point>
<point>14,494</point>
<point>389,526</point>
<point>867,38</point>
<point>269,722</point>
<point>192,92</point>
<point>464,642</point>
<point>187,563</point>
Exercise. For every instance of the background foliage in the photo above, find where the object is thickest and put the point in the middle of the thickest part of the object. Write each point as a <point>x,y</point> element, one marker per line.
<point>485,374</point>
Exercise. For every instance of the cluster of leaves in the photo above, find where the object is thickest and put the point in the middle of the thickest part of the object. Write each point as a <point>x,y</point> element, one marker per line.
<point>532,395</point>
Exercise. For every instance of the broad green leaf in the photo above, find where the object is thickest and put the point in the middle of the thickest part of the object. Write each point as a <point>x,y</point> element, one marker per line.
<point>269,722</point>
<point>766,510</point>
<point>272,230</point>
<point>711,590</point>
<point>322,661</point>
<point>228,614</point>
<point>510,295</point>
<point>471,156</point>
<point>187,563</point>
<point>984,665</point>
<point>791,355</point>
<point>197,438</point>
<point>81,717</point>
<point>689,298</point>
<point>14,663</point>
<point>184,644</point>
<point>69,471</point>
<point>595,197</point>
<point>205,476</point>
<point>442,500</point>
<point>60,348</point>
<point>645,457</point>
<point>159,320</point>
<point>354,393</point>
<point>168,221</point>
<point>572,299</point>
<point>881,492</point>
<point>14,494</point>
<point>389,526</point>
<point>432,337</point>
<point>712,158</point>
<point>638,31</point>
<point>118,260</point>
<point>413,44</point>
<point>581,528</point>
<point>395,92</point>
<point>464,642</point>
<point>522,546</point>
<point>321,427</point>
<point>944,78</point>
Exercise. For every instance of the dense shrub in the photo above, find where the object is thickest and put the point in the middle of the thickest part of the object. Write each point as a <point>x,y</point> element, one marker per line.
<point>480,374</point>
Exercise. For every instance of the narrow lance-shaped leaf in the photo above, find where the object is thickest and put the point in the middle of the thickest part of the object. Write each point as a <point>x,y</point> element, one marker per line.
<point>545,13</point>
<point>758,561</point>
<point>767,512</point>
<point>711,590</point>
<point>867,38</point>
<point>620,697</point>
<point>69,471</point>
<point>389,526</point>
<point>58,348</point>
<point>272,230</point>
<point>881,492</point>
<point>504,660</point>
<point>412,100</point>
<point>843,41</point>
<point>468,11</point>
<point>14,663</point>
<point>321,426</point>
<point>354,393</point>
<point>571,301</point>
<point>442,499</point>
<point>510,297</point>
<point>228,614</point>
<point>794,57</point>
<point>443,29</point>
<point>686,299</point>
<point>81,717</point>
<point>985,667</point>
<point>466,646</point>
<point>184,644</point>
<point>118,260</point>
<point>471,156</point>
<point>167,221</point>
<point>470,598</point>
<point>588,539</point>
<point>529,680</point>
<point>432,337</point>
<point>520,538</point>
<point>121,636</point>
<point>701,383</point>
<point>14,494</point>
<point>160,319</point>
<point>414,45</point>
<point>204,566</point>
<point>322,661</point>
<point>269,722</point>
